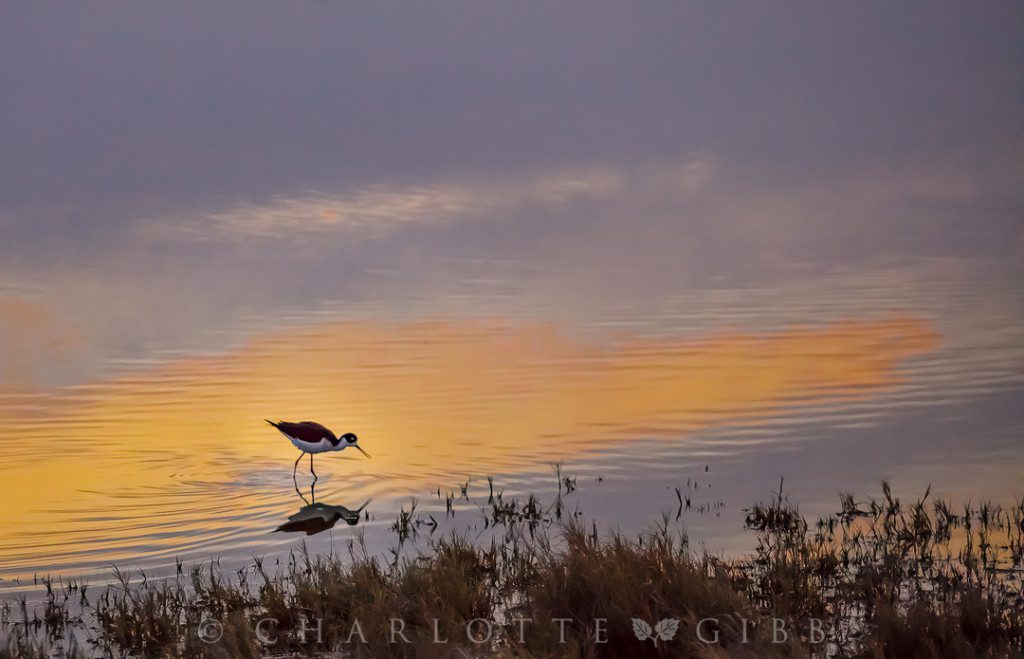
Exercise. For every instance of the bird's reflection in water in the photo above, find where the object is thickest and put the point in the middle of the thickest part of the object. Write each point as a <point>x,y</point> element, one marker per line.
<point>318,517</point>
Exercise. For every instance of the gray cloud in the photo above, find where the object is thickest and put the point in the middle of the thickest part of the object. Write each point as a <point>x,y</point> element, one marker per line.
<point>378,209</point>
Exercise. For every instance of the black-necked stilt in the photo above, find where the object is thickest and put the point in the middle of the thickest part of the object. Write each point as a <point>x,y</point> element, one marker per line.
<point>311,437</point>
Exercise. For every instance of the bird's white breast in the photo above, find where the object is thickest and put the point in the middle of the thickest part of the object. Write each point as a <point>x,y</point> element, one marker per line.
<point>322,446</point>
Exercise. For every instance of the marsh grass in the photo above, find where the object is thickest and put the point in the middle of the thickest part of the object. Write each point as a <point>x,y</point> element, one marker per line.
<point>887,579</point>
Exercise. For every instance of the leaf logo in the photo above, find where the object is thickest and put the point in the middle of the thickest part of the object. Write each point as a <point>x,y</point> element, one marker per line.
<point>642,630</point>
<point>663,631</point>
<point>666,629</point>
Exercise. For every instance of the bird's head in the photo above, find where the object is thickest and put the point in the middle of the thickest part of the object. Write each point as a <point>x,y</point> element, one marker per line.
<point>350,439</point>
<point>350,517</point>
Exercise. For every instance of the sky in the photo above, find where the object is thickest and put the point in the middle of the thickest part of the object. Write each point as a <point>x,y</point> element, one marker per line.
<point>174,171</point>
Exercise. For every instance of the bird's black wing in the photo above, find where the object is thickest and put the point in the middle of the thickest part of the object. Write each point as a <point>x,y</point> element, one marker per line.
<point>306,431</point>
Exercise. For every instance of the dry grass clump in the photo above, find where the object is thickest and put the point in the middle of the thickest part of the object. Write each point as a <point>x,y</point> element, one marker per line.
<point>652,576</point>
<point>892,579</point>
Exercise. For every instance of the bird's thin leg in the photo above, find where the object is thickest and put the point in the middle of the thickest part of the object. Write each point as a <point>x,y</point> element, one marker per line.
<point>312,486</point>
<point>295,479</point>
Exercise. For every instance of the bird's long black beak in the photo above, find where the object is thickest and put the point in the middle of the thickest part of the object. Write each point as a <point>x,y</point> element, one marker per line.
<point>362,451</point>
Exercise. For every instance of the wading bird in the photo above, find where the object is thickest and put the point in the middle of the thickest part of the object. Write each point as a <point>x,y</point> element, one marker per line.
<point>310,437</point>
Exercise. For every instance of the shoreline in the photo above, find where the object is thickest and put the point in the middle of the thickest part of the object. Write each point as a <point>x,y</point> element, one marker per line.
<point>879,575</point>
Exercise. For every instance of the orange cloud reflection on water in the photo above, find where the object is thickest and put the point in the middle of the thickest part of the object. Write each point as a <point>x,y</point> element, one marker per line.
<point>431,401</point>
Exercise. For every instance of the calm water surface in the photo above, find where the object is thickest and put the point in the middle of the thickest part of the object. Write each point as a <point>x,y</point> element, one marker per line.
<point>912,372</point>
